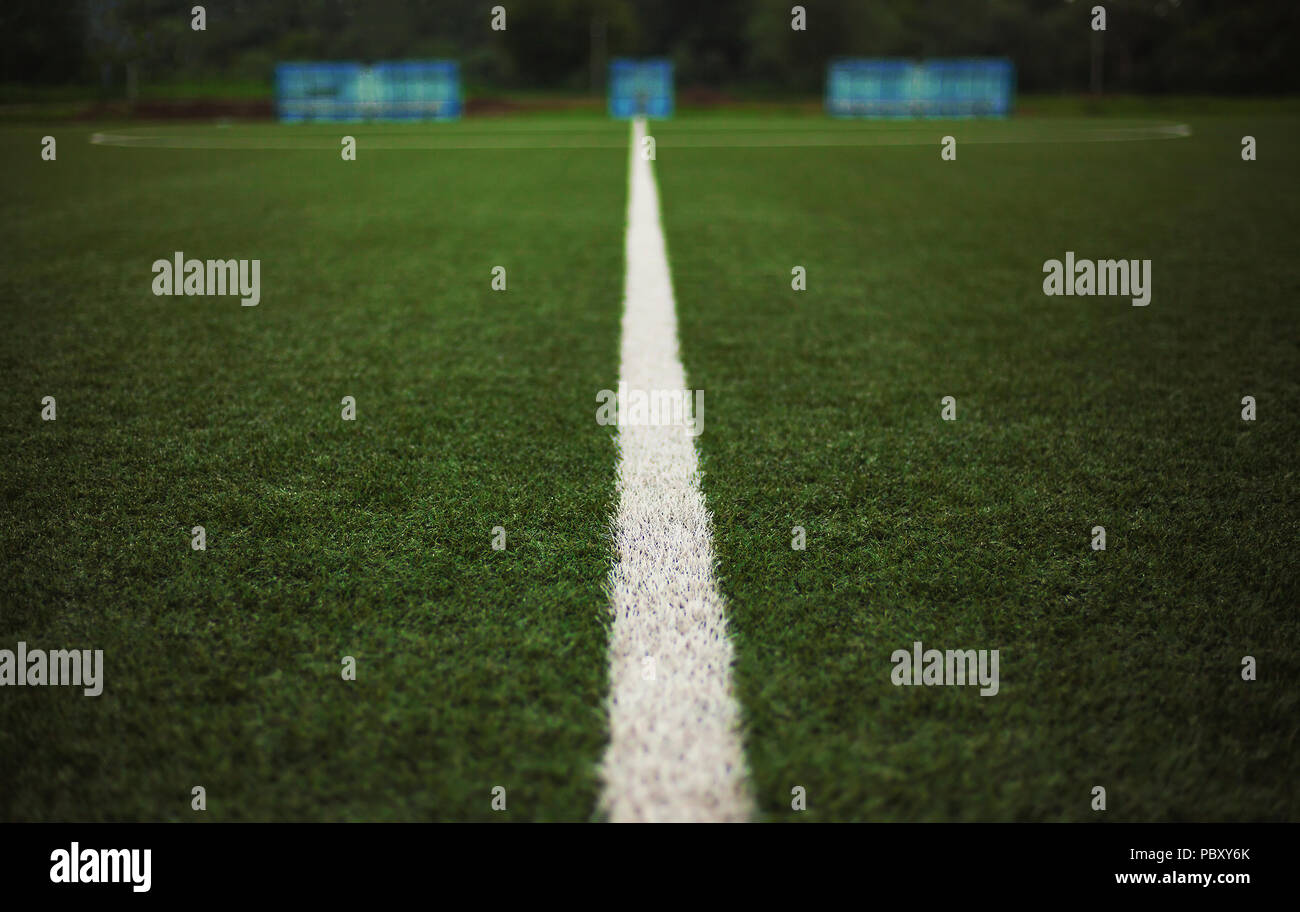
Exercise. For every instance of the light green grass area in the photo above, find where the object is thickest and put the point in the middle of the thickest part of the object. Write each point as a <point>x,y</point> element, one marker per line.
<point>325,538</point>
<point>924,279</point>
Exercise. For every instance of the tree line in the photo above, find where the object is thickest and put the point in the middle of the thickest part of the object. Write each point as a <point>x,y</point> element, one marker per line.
<point>742,46</point>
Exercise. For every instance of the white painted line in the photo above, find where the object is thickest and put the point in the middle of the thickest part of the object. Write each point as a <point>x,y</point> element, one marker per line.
<point>675,751</point>
<point>681,137</point>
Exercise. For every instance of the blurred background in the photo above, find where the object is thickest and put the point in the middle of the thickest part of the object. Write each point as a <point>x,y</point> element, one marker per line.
<point>124,53</point>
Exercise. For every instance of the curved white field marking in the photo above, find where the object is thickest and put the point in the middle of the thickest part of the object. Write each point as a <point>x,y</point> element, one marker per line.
<point>675,751</point>
<point>912,136</point>
<point>306,142</point>
<point>675,135</point>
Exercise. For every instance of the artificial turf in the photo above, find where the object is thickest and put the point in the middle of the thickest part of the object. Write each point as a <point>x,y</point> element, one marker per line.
<point>475,408</point>
<point>1119,668</point>
<point>325,538</point>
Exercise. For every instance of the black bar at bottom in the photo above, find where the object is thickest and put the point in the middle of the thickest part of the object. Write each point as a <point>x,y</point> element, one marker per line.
<point>333,862</point>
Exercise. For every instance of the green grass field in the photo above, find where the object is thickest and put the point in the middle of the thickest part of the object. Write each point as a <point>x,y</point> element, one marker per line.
<point>325,538</point>
<point>479,668</point>
<point>1120,668</point>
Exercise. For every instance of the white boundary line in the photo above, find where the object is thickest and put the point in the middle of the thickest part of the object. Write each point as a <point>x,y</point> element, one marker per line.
<point>675,751</point>
<point>679,138</point>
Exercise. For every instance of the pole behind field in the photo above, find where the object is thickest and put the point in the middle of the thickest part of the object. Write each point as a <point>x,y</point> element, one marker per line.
<point>598,52</point>
<point>1098,53</point>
